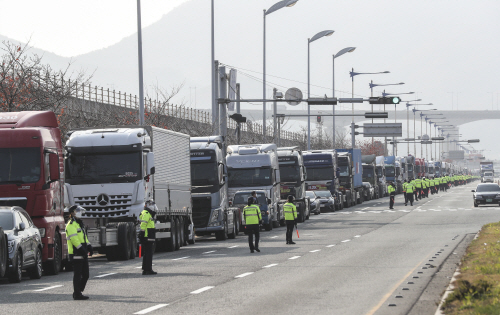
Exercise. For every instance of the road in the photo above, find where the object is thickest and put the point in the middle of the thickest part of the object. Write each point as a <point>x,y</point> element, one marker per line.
<point>355,261</point>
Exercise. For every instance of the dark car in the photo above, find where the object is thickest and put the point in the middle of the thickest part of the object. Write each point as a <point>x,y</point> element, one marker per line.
<point>240,201</point>
<point>486,194</point>
<point>24,244</point>
<point>326,201</point>
<point>314,201</point>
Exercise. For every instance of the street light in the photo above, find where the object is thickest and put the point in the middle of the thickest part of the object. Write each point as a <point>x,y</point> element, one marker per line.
<point>353,74</point>
<point>435,131</point>
<point>340,53</point>
<point>408,121</point>
<point>139,53</point>
<point>274,8</point>
<point>309,41</point>
<point>421,127</point>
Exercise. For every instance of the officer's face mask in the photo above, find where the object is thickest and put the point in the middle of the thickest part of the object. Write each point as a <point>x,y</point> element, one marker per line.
<point>79,212</point>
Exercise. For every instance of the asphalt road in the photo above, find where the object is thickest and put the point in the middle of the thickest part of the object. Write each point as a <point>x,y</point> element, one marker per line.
<point>356,261</point>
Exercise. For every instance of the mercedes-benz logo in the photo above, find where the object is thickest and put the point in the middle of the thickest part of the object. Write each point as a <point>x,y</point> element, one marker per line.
<point>103,199</point>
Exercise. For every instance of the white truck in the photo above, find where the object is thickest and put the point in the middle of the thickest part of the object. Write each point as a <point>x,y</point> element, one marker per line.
<point>112,172</point>
<point>255,167</point>
<point>382,184</point>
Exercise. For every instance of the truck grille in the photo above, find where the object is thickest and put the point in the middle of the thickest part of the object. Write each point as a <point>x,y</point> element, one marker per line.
<point>116,206</point>
<point>201,211</point>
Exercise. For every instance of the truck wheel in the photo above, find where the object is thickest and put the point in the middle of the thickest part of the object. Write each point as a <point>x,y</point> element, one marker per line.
<point>123,241</point>
<point>178,238</point>
<point>16,273</point>
<point>3,253</point>
<point>193,240</point>
<point>222,235</point>
<point>183,232</point>
<point>133,240</point>
<point>52,267</point>
<point>173,236</point>
<point>35,272</point>
<point>232,235</point>
<point>237,223</point>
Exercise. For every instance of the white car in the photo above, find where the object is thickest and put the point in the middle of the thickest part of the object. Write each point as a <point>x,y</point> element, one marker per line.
<point>488,177</point>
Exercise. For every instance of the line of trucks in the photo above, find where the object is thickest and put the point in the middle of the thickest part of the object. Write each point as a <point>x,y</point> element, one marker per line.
<point>198,184</point>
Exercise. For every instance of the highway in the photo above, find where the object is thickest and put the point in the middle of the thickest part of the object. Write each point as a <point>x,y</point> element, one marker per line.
<point>358,260</point>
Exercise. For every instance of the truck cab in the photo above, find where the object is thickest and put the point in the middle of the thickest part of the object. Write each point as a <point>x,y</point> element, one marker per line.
<point>382,182</point>
<point>370,172</point>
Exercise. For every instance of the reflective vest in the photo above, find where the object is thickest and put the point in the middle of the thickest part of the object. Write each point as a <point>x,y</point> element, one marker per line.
<point>290,211</point>
<point>147,222</point>
<point>425,183</point>
<point>409,188</point>
<point>391,189</point>
<point>404,186</point>
<point>418,183</point>
<point>76,238</point>
<point>252,214</point>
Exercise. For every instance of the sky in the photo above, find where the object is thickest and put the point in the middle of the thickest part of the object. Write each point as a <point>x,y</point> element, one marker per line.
<point>446,51</point>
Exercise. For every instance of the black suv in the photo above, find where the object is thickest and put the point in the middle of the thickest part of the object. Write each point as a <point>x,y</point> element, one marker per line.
<point>24,244</point>
<point>486,194</point>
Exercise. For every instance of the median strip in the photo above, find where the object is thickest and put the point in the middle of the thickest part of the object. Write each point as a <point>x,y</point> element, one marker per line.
<point>150,309</point>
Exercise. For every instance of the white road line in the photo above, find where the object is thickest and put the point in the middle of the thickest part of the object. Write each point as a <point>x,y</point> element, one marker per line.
<point>330,245</point>
<point>274,236</point>
<point>234,246</point>
<point>105,275</point>
<point>314,251</point>
<point>212,251</point>
<point>48,288</point>
<point>365,208</point>
<point>150,309</point>
<point>181,258</point>
<point>294,257</point>
<point>375,211</point>
<point>357,235</point>
<point>269,266</point>
<point>345,241</point>
<point>244,275</point>
<point>202,290</point>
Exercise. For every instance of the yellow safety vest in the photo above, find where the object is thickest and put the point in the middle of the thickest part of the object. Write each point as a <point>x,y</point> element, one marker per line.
<point>409,188</point>
<point>390,189</point>
<point>290,211</point>
<point>252,214</point>
<point>147,222</point>
<point>75,237</point>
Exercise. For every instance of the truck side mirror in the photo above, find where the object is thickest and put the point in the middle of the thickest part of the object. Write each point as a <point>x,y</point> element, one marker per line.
<point>222,177</point>
<point>268,201</point>
<point>55,173</point>
<point>22,226</point>
<point>150,162</point>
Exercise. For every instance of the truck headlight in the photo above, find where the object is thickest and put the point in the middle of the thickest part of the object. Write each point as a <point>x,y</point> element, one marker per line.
<point>42,232</point>
<point>11,246</point>
<point>214,220</point>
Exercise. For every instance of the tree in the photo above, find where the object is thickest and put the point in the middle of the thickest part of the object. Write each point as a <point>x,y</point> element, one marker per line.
<point>368,148</point>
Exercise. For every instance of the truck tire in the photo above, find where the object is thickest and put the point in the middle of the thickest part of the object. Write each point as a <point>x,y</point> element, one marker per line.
<point>123,241</point>
<point>222,235</point>
<point>182,228</point>
<point>16,273</point>
<point>3,253</point>
<point>52,267</point>
<point>133,240</point>
<point>232,235</point>
<point>178,238</point>
<point>173,236</point>
<point>237,222</point>
<point>35,272</point>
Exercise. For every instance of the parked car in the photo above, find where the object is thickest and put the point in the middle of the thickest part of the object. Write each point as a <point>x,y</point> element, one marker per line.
<point>486,194</point>
<point>369,191</point>
<point>326,200</point>
<point>24,244</point>
<point>488,177</point>
<point>314,201</point>
<point>240,200</point>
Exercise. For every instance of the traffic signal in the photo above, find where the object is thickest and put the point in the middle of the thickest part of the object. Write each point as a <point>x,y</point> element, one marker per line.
<point>385,100</point>
<point>318,119</point>
<point>238,118</point>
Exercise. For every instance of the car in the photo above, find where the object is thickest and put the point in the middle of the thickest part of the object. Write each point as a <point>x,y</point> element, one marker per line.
<point>488,177</point>
<point>369,191</point>
<point>326,201</point>
<point>24,244</point>
<point>314,199</point>
<point>240,200</point>
<point>486,193</point>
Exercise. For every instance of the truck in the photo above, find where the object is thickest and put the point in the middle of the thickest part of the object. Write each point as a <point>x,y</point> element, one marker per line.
<point>31,177</point>
<point>255,167</point>
<point>370,172</point>
<point>350,175</point>
<point>393,172</point>
<point>410,167</point>
<point>113,172</point>
<point>486,166</point>
<point>438,171</point>
<point>293,180</point>
<point>322,174</point>
<point>211,212</point>
<point>382,183</point>
<point>420,166</point>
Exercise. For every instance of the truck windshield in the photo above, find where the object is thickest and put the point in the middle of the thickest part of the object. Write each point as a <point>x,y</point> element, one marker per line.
<point>204,174</point>
<point>344,171</point>
<point>7,221</point>
<point>389,171</point>
<point>323,173</point>
<point>379,171</point>
<point>251,177</point>
<point>367,172</point>
<point>290,173</point>
<point>122,167</point>
<point>242,198</point>
<point>19,165</point>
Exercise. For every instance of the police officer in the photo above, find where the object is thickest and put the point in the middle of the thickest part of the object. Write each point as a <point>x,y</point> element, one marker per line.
<point>290,218</point>
<point>409,193</point>
<point>391,190</point>
<point>79,249</point>
<point>147,236</point>
<point>404,191</point>
<point>252,217</point>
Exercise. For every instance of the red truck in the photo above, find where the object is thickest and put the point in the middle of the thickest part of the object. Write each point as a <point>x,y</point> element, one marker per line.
<point>31,176</point>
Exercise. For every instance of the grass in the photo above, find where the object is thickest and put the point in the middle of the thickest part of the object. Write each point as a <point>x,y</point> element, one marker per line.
<point>477,289</point>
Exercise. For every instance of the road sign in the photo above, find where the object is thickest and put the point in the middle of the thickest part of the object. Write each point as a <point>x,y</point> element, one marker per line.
<point>383,130</point>
<point>293,96</point>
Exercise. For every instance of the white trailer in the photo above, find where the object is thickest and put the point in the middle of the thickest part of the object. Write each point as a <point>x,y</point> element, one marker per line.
<point>112,172</point>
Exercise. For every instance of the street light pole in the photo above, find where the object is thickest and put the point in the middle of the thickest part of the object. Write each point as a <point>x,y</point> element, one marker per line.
<point>139,50</point>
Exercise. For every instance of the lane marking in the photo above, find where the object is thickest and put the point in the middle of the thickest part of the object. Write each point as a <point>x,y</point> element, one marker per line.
<point>314,251</point>
<point>294,257</point>
<point>105,275</point>
<point>150,309</point>
<point>365,208</point>
<point>234,246</point>
<point>274,236</point>
<point>202,290</point>
<point>244,274</point>
<point>345,241</point>
<point>357,235</point>
<point>212,251</point>
<point>330,245</point>
<point>181,258</point>
<point>269,266</point>
<point>48,288</point>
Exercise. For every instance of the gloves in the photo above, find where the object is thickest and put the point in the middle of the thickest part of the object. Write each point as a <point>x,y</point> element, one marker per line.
<point>82,251</point>
<point>91,250</point>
